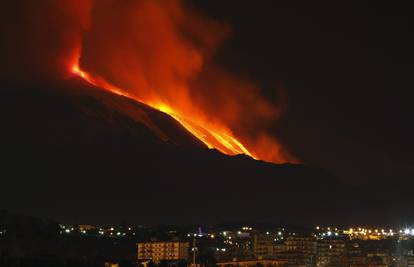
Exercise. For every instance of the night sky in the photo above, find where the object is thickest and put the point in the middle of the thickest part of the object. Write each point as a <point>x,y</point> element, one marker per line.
<point>346,68</point>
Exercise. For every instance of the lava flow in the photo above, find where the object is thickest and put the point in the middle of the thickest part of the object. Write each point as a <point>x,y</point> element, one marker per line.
<point>160,53</point>
<point>214,137</point>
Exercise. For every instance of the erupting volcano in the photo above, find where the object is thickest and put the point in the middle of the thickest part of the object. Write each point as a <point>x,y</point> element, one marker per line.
<point>162,54</point>
<point>162,57</point>
<point>177,110</point>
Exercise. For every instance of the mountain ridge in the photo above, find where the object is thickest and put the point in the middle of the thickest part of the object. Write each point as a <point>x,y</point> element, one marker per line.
<point>72,147</point>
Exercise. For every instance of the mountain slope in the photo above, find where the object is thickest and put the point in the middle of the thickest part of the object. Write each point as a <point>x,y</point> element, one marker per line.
<point>74,152</point>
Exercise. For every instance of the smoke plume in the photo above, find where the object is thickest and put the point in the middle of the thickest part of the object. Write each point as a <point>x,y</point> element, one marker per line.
<point>161,52</point>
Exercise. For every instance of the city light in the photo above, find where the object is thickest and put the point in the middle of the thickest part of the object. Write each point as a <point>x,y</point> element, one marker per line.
<point>233,237</point>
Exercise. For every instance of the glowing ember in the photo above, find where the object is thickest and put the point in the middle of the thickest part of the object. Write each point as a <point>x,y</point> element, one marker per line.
<point>213,137</point>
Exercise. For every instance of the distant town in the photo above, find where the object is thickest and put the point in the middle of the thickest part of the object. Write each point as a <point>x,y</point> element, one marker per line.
<point>280,246</point>
<point>224,246</point>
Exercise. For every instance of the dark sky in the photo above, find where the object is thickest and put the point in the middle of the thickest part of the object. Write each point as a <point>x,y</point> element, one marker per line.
<point>347,70</point>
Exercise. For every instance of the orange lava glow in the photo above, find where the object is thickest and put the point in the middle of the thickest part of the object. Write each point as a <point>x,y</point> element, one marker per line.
<point>213,136</point>
<point>165,54</point>
<point>161,53</point>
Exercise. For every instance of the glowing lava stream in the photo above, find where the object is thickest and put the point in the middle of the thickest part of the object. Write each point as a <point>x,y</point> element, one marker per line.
<point>219,139</point>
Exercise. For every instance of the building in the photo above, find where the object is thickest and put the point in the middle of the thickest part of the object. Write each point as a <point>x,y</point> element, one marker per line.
<point>296,259</point>
<point>378,259</point>
<point>331,252</point>
<point>305,245</point>
<point>356,261</point>
<point>265,246</point>
<point>160,251</point>
<point>410,259</point>
<point>252,263</point>
<point>262,245</point>
<point>300,251</point>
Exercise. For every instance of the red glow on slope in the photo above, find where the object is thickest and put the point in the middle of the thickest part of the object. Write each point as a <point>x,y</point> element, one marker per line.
<point>212,136</point>
<point>161,53</point>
